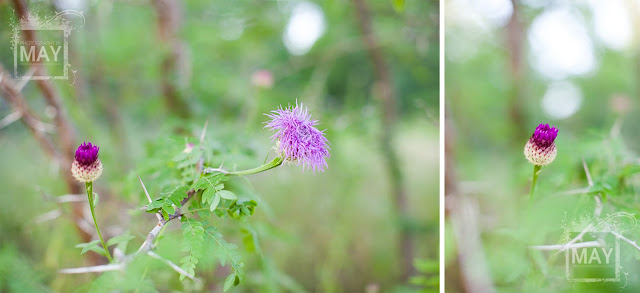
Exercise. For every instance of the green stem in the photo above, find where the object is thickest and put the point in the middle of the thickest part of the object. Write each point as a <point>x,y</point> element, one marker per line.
<point>536,170</point>
<point>277,161</point>
<point>89,186</point>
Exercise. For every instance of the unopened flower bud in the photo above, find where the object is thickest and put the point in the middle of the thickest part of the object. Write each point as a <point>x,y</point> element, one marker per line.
<point>541,150</point>
<point>86,167</point>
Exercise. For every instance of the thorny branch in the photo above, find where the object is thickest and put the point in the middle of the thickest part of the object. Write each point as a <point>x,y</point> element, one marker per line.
<point>148,246</point>
<point>598,210</point>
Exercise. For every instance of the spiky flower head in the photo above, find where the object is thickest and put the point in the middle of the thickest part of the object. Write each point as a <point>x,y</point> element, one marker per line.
<point>297,139</point>
<point>86,167</point>
<point>541,150</point>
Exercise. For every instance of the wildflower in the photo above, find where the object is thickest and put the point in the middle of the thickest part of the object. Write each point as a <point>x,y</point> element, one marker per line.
<point>86,167</point>
<point>297,139</point>
<point>540,150</point>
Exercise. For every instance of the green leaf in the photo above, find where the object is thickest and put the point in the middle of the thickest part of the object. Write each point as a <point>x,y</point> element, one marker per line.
<point>93,246</point>
<point>231,279</point>
<point>96,198</point>
<point>155,204</point>
<point>207,195</point>
<point>168,207</point>
<point>226,194</point>
<point>120,239</point>
<point>193,236</point>
<point>215,203</point>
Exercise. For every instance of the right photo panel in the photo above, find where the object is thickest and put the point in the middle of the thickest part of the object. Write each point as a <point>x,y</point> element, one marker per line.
<point>542,144</point>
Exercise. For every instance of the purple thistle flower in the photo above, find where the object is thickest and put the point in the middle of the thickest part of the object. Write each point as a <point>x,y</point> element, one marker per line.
<point>86,167</point>
<point>541,150</point>
<point>297,140</point>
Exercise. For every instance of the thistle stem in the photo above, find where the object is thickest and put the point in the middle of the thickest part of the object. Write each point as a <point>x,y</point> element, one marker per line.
<point>89,186</point>
<point>277,161</point>
<point>536,170</point>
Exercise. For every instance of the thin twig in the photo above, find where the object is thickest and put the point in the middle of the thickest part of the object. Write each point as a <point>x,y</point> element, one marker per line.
<point>48,216</point>
<point>565,246</point>
<point>25,79</point>
<point>7,120</point>
<point>625,239</point>
<point>200,164</point>
<point>93,269</point>
<point>575,239</point>
<point>172,265</point>
<point>148,197</point>
<point>586,171</point>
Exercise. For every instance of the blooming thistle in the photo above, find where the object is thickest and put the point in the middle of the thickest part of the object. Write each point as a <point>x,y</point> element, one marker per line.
<point>540,150</point>
<point>297,139</point>
<point>86,167</point>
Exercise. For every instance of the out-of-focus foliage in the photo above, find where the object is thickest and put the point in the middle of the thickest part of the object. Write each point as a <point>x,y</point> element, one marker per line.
<point>493,108</point>
<point>329,232</point>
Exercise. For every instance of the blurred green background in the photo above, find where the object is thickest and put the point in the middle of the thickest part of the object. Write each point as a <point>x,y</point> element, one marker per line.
<point>511,65</point>
<point>146,70</point>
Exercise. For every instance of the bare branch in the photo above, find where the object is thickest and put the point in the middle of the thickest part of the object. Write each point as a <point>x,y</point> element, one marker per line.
<point>574,240</point>
<point>48,216</point>
<point>586,172</point>
<point>27,76</point>
<point>200,164</point>
<point>93,269</point>
<point>70,198</point>
<point>7,120</point>
<point>145,189</point>
<point>148,197</point>
<point>172,265</point>
<point>625,239</point>
<point>565,246</point>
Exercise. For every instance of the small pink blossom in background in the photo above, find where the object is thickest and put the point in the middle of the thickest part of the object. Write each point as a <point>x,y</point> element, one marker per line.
<point>620,103</point>
<point>262,78</point>
<point>188,148</point>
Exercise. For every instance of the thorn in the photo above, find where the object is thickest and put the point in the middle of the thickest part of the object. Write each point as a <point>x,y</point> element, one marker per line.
<point>204,131</point>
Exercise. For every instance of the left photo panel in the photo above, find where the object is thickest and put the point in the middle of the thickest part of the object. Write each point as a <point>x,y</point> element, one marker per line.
<point>217,146</point>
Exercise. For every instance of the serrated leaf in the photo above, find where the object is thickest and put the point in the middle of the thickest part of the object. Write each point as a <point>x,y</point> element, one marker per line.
<point>120,239</point>
<point>215,202</point>
<point>226,194</point>
<point>231,279</point>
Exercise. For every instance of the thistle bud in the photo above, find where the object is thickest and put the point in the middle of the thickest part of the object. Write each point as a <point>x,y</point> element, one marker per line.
<point>540,150</point>
<point>86,167</point>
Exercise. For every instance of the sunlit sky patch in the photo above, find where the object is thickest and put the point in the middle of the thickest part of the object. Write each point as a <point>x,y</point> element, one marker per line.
<point>560,44</point>
<point>305,27</point>
<point>612,23</point>
<point>497,12</point>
